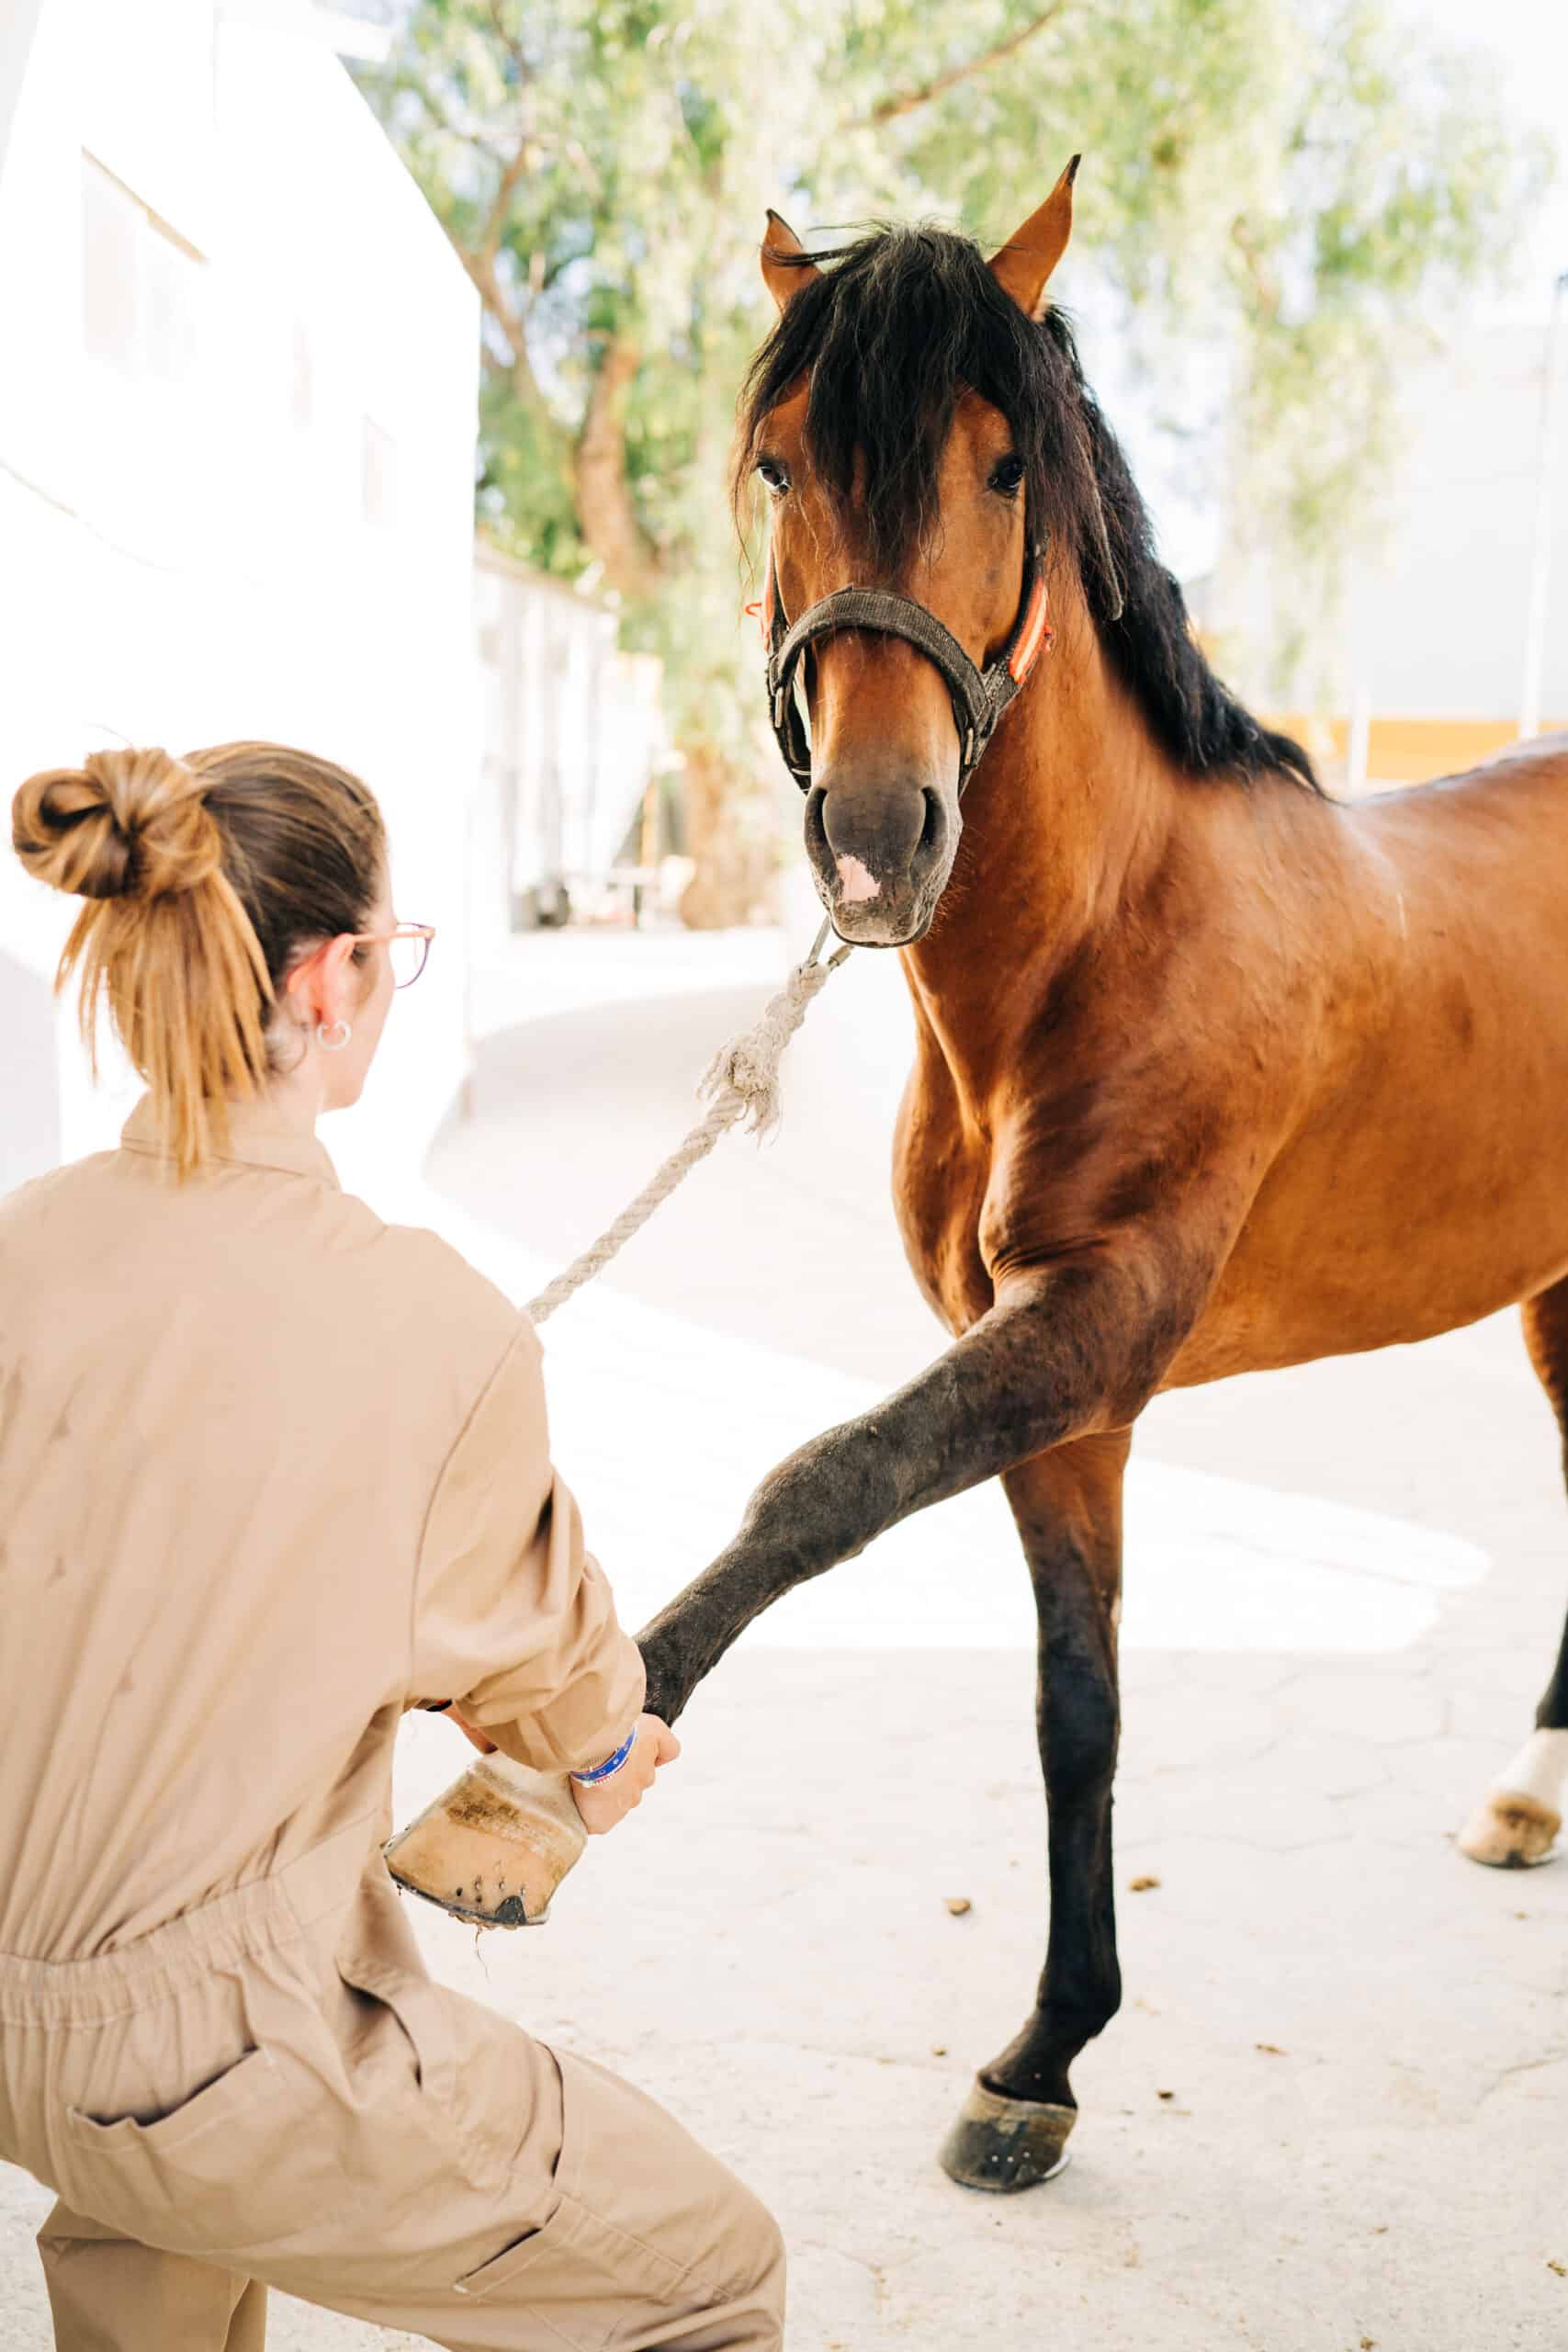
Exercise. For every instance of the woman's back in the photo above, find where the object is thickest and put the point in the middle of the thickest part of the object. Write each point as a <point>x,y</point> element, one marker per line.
<point>224,1409</point>
<point>270,1472</point>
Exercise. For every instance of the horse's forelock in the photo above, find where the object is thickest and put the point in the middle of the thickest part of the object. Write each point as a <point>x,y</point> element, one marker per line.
<point>898,324</point>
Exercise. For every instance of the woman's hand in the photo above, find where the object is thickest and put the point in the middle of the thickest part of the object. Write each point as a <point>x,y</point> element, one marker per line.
<point>606,1802</point>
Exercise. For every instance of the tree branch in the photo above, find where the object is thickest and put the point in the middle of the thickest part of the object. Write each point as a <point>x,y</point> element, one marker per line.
<point>480,260</point>
<point>906,101</point>
<point>1264,289</point>
<point>509,41</point>
<point>609,518</point>
<point>495,225</point>
<point>508,318</point>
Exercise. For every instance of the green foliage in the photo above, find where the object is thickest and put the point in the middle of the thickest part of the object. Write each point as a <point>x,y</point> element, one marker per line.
<point>1289,185</point>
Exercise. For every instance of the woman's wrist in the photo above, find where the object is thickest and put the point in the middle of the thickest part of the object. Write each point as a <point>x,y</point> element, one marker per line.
<point>611,1766</point>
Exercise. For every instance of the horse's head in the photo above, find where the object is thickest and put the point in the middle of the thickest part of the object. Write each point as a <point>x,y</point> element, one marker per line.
<point>896,418</point>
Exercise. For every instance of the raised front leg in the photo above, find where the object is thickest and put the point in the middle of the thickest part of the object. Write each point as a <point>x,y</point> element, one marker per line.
<point>1061,1354</point>
<point>1013,2129</point>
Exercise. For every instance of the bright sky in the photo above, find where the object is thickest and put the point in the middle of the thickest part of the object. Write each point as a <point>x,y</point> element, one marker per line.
<point>1530,41</point>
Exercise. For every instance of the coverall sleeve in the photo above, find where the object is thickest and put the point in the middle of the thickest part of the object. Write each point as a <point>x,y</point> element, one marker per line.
<point>513,1621</point>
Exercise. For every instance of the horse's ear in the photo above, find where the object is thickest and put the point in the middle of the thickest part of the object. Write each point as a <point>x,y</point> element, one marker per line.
<point>1022,267</point>
<point>785,278</point>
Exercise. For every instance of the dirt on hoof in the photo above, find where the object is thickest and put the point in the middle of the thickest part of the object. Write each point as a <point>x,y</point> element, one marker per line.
<point>1003,2146</point>
<point>1510,1832</point>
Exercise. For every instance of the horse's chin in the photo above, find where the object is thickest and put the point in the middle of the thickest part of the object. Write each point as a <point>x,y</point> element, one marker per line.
<point>862,925</point>
<point>896,915</point>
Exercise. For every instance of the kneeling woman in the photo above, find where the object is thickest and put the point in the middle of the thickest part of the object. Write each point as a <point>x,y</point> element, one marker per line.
<point>272,1472</point>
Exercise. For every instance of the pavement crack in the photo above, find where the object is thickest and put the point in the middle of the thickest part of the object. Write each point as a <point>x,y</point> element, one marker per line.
<point>1523,2066</point>
<point>875,2271</point>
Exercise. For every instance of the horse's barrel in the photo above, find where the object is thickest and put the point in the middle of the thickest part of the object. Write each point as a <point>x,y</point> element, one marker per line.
<point>495,1847</point>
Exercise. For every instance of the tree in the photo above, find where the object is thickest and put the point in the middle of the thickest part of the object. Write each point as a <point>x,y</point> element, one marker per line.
<point>1286,181</point>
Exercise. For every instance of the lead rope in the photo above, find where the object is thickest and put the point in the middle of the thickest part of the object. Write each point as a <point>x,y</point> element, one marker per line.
<point>743,1081</point>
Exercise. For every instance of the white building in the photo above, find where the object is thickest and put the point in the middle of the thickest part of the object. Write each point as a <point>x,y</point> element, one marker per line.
<point>237,403</point>
<point>1439,621</point>
<point>573,737</point>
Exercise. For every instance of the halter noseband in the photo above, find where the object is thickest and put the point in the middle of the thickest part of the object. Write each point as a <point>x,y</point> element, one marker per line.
<point>979,697</point>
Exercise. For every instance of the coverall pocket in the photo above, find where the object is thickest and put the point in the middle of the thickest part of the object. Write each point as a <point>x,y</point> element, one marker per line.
<point>588,2278</point>
<point>234,2165</point>
<point>235,2092</point>
<point>406,2074</point>
<point>552,2239</point>
<point>416,2005</point>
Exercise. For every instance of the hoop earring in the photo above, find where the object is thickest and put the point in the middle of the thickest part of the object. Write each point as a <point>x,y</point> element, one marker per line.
<point>332,1044</point>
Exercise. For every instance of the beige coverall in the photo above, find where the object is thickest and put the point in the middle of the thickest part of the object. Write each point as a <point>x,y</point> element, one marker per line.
<point>270,1472</point>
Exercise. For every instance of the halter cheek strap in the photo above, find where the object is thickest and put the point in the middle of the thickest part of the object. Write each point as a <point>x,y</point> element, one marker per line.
<point>979,697</point>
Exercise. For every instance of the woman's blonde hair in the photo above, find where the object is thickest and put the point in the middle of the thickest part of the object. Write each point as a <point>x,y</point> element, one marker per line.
<point>205,877</point>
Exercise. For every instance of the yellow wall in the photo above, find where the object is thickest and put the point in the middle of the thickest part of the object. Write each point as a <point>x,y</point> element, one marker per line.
<point>1405,750</point>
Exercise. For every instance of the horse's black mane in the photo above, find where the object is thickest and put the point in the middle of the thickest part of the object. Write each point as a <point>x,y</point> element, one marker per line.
<point>895,327</point>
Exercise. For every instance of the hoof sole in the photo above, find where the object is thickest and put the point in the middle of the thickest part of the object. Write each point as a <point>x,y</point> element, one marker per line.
<point>1005,2145</point>
<point>1510,1832</point>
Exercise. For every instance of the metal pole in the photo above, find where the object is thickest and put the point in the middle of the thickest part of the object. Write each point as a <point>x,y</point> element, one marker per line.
<point>1545,518</point>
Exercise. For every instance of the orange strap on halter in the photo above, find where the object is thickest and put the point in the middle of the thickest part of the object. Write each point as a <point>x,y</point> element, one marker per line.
<point>761,610</point>
<point>1034,632</point>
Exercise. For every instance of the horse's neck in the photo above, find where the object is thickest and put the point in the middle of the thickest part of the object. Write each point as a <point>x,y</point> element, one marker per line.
<point>1067,814</point>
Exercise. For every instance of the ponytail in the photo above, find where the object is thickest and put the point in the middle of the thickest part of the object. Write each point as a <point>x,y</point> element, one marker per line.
<point>204,879</point>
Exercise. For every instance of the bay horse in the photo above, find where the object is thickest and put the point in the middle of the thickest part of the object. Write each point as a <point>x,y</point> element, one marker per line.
<point>1212,1072</point>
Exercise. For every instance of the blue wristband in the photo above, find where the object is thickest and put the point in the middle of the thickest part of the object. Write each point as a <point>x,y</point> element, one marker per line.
<point>612,1764</point>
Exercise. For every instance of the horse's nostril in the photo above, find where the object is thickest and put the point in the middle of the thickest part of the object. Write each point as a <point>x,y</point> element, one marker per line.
<point>931,831</point>
<point>816,826</point>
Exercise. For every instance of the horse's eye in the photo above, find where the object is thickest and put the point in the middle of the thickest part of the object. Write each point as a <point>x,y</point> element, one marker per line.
<point>1006,477</point>
<point>775,475</point>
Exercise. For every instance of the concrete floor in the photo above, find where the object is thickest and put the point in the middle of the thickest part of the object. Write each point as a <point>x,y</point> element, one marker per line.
<point>1332,2113</point>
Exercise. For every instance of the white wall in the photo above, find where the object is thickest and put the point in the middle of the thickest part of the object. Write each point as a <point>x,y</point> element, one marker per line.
<point>237,397</point>
<point>1437,620</point>
<point>18,22</point>
<point>1434,619</point>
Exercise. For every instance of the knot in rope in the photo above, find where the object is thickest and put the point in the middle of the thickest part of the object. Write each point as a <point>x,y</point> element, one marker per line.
<point>744,1076</point>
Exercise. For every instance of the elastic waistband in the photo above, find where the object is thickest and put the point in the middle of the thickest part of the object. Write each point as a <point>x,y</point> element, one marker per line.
<point>257,1916</point>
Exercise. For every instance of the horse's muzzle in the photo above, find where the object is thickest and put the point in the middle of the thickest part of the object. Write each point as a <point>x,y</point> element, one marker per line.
<point>881,854</point>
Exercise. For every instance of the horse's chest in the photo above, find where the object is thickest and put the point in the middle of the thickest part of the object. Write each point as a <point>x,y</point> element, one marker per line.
<point>940,1174</point>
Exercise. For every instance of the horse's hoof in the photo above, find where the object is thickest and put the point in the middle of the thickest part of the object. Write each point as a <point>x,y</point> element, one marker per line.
<point>1005,2145</point>
<point>1510,1831</point>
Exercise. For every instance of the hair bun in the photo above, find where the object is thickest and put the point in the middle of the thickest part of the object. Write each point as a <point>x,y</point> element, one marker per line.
<point>124,824</point>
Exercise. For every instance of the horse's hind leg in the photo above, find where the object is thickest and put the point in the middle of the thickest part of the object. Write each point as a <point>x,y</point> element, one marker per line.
<point>1522,1811</point>
<point>1014,2127</point>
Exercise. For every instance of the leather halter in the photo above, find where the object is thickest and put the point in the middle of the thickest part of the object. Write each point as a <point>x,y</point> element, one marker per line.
<point>979,697</point>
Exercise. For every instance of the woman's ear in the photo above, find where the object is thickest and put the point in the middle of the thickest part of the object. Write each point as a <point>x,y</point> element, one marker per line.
<point>321,987</point>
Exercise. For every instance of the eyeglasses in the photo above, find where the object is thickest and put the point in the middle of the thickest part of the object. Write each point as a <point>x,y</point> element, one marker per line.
<point>407,948</point>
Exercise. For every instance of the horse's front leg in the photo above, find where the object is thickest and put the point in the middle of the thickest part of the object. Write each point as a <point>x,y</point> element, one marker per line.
<point>1061,1354</point>
<point>1014,2127</point>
